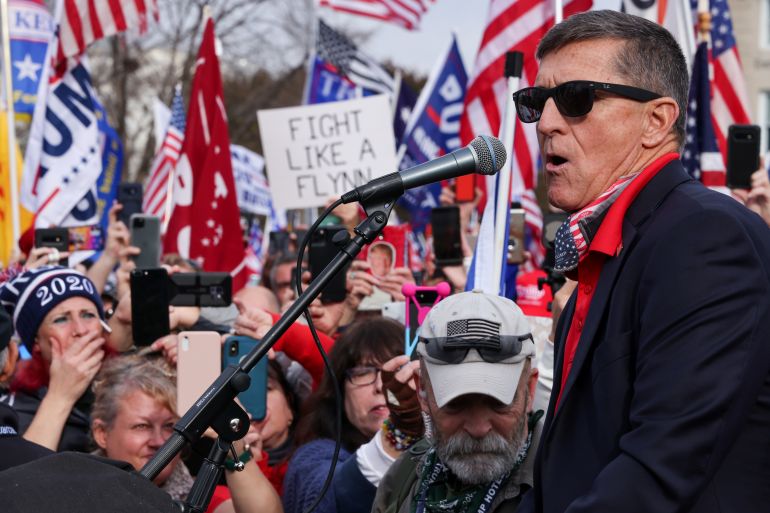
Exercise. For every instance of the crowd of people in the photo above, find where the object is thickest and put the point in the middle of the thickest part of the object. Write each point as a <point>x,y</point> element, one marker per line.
<point>649,392</point>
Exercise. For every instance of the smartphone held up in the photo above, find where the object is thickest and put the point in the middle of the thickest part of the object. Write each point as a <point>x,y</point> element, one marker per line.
<point>742,155</point>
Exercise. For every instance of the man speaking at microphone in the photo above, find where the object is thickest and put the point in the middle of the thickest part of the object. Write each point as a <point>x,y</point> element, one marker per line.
<point>661,397</point>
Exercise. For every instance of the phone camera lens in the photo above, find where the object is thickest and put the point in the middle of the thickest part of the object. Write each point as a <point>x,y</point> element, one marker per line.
<point>233,349</point>
<point>139,222</point>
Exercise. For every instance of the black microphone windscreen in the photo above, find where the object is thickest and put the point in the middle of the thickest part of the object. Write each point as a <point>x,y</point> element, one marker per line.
<point>491,154</point>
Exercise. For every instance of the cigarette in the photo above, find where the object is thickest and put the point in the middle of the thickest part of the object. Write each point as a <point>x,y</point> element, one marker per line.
<point>105,326</point>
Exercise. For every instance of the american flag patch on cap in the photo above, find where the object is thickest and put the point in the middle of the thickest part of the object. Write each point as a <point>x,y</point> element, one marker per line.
<point>473,328</point>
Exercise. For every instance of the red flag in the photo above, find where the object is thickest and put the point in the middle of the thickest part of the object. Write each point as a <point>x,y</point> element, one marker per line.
<point>205,222</point>
<point>511,25</point>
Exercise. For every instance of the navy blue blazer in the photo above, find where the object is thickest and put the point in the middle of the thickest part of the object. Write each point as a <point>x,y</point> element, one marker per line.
<point>667,405</point>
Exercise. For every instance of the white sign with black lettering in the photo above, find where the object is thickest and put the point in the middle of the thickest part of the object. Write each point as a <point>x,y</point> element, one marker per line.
<point>314,152</point>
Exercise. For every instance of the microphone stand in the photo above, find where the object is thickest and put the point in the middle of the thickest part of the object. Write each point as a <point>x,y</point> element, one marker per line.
<point>216,406</point>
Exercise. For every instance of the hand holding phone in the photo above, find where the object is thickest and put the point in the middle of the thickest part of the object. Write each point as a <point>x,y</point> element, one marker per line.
<point>57,238</point>
<point>200,289</point>
<point>85,238</point>
<point>145,235</point>
<point>149,305</point>
<point>419,301</point>
<point>198,365</point>
<point>254,399</point>
<point>130,198</point>
<point>322,251</point>
<point>447,241</point>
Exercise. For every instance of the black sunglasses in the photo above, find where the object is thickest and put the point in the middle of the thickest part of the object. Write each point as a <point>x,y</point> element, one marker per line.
<point>454,350</point>
<point>573,99</point>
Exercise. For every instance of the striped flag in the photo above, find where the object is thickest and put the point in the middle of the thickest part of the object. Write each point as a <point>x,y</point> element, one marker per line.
<point>464,329</point>
<point>512,25</point>
<point>701,155</point>
<point>404,13</point>
<point>729,102</point>
<point>85,21</point>
<point>156,189</point>
<point>351,63</point>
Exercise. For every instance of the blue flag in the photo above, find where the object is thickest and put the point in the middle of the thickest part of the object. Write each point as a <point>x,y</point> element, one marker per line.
<point>402,113</point>
<point>325,84</point>
<point>433,131</point>
<point>31,27</point>
<point>112,166</point>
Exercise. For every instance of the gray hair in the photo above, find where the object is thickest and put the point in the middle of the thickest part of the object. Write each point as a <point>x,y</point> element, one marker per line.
<point>122,375</point>
<point>651,58</point>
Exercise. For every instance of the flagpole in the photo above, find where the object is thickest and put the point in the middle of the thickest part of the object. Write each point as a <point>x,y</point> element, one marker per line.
<point>559,11</point>
<point>11,115</point>
<point>34,147</point>
<point>513,67</point>
<point>704,21</point>
<point>686,19</point>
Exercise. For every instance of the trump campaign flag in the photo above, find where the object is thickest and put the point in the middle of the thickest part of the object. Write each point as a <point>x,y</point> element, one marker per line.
<point>64,157</point>
<point>340,71</point>
<point>325,84</point>
<point>433,130</point>
<point>31,28</point>
<point>205,223</point>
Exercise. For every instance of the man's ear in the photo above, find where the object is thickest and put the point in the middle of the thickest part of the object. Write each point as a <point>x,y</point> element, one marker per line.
<point>532,386</point>
<point>661,116</point>
<point>10,364</point>
<point>99,432</point>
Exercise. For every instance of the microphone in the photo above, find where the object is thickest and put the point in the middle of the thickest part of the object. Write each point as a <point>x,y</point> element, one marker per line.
<point>485,155</point>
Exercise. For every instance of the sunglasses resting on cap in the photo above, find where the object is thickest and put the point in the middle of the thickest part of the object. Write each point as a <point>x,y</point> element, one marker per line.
<point>492,350</point>
<point>573,99</point>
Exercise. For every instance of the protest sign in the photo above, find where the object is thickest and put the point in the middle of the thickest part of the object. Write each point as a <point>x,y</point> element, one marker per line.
<point>314,152</point>
<point>250,182</point>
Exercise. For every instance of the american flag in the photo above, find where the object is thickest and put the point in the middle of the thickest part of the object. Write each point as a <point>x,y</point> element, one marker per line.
<point>476,328</point>
<point>85,21</point>
<point>355,65</point>
<point>405,13</point>
<point>701,155</point>
<point>512,25</point>
<point>729,102</point>
<point>157,188</point>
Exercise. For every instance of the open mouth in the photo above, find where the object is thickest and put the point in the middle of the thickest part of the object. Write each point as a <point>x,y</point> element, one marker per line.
<point>556,160</point>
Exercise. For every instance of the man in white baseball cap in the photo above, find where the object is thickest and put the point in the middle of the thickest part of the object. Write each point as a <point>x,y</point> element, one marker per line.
<point>476,387</point>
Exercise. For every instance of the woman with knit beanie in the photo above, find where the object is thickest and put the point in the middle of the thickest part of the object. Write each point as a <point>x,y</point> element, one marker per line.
<point>58,315</point>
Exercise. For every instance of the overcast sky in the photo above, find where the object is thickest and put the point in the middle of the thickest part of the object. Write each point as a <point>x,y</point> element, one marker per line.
<point>418,50</point>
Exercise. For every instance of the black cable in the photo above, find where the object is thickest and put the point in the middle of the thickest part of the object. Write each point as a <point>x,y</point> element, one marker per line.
<point>324,356</point>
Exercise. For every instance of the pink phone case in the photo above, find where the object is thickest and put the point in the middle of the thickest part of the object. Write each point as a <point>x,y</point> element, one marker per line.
<point>198,364</point>
<point>410,290</point>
